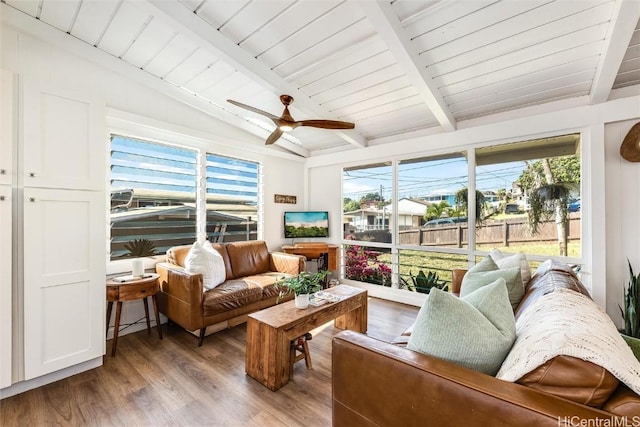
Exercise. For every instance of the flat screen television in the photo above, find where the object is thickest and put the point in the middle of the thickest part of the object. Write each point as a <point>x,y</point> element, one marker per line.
<point>306,224</point>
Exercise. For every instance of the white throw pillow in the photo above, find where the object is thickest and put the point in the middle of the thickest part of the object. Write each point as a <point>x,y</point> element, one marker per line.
<point>203,261</point>
<point>219,272</point>
<point>513,260</point>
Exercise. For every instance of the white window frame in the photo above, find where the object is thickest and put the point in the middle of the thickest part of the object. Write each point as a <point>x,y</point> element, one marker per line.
<point>143,128</point>
<point>586,258</point>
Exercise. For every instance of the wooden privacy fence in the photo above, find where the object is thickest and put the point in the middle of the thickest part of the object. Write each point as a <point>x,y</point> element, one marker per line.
<point>503,233</point>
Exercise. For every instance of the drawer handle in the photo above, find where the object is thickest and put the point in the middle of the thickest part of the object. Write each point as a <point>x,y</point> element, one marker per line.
<point>1,198</point>
<point>3,171</point>
<point>32,174</point>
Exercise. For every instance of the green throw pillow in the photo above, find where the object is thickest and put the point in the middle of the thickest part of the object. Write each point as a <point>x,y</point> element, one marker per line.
<point>487,264</point>
<point>476,331</point>
<point>487,272</point>
<point>634,343</point>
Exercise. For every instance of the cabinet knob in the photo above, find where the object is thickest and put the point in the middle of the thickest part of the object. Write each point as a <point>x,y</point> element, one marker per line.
<point>1,198</point>
<point>32,174</point>
<point>32,199</point>
<point>3,171</point>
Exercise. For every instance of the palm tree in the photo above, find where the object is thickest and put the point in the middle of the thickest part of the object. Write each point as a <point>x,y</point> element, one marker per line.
<point>550,201</point>
<point>436,210</point>
<point>462,201</point>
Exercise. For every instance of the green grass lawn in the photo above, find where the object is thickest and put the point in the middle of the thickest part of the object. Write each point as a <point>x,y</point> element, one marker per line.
<point>411,261</point>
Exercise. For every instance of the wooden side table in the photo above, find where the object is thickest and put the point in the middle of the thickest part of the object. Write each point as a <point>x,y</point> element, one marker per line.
<point>130,291</point>
<point>314,250</point>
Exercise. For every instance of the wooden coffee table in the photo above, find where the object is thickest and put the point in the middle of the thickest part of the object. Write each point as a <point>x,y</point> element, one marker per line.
<point>270,331</point>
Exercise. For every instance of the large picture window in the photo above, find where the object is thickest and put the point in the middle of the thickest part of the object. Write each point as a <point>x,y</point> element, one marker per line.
<point>366,200</point>
<point>431,216</point>
<point>532,197</point>
<point>447,212</point>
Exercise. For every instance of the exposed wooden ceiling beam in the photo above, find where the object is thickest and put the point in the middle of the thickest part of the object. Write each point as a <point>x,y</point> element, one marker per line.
<point>388,26</point>
<point>222,47</point>
<point>623,23</point>
<point>62,40</point>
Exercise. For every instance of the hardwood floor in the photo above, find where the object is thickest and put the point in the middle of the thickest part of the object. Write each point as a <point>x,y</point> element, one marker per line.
<point>175,383</point>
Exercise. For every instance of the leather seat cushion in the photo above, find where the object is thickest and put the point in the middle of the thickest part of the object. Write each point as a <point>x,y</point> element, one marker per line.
<point>623,402</point>
<point>267,282</point>
<point>230,295</point>
<point>573,379</point>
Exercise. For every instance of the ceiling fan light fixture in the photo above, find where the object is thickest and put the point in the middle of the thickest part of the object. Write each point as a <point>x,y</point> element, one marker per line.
<point>286,123</point>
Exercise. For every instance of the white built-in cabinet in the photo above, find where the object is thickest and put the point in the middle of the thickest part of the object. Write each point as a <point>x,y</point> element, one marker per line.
<point>63,139</point>
<point>59,212</point>
<point>64,278</point>
<point>7,139</point>
<point>5,285</point>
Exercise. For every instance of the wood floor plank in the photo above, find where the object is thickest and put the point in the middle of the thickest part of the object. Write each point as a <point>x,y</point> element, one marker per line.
<point>172,382</point>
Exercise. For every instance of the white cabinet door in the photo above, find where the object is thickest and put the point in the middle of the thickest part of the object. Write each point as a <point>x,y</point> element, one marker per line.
<point>64,278</point>
<point>63,136</point>
<point>5,285</point>
<point>7,117</point>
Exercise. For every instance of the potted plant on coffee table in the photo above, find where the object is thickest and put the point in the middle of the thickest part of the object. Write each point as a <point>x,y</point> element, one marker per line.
<point>302,285</point>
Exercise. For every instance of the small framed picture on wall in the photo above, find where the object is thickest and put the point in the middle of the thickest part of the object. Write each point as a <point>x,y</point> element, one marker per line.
<point>282,198</point>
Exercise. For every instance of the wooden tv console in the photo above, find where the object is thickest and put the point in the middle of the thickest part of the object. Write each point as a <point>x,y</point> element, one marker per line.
<point>314,250</point>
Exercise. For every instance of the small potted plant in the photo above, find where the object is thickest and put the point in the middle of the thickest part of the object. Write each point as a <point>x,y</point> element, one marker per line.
<point>302,285</point>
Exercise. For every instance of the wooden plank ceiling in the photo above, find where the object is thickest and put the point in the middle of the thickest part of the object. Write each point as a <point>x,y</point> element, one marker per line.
<point>390,67</point>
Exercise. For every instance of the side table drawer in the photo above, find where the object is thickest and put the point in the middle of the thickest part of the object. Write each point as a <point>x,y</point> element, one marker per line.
<point>137,291</point>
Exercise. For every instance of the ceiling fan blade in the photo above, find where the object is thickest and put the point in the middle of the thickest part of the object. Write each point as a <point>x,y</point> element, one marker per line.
<point>326,124</point>
<point>275,135</point>
<point>250,108</point>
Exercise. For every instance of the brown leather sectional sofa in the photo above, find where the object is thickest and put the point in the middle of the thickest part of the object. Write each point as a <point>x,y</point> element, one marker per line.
<point>382,384</point>
<point>251,274</point>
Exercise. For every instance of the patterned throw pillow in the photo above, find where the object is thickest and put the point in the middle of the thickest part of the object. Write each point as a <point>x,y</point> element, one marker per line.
<point>476,331</point>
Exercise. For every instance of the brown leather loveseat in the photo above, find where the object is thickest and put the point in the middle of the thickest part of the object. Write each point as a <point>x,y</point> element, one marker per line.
<point>377,383</point>
<point>251,274</point>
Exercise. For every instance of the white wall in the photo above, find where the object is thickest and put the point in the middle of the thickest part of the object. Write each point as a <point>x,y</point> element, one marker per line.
<point>31,58</point>
<point>140,111</point>
<point>622,216</point>
<point>551,119</point>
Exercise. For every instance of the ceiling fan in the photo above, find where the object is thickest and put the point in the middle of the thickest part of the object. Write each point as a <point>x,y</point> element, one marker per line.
<point>286,123</point>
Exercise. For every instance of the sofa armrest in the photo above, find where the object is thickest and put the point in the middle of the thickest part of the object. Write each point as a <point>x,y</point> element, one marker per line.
<point>287,263</point>
<point>180,297</point>
<point>457,275</point>
<point>377,383</point>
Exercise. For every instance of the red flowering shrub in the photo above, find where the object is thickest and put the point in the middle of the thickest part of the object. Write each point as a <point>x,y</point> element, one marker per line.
<point>363,265</point>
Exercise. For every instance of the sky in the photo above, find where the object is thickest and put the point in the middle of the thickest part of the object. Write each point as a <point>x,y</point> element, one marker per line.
<point>419,179</point>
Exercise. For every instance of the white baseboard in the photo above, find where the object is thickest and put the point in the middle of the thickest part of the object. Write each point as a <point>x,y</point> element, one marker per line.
<point>23,386</point>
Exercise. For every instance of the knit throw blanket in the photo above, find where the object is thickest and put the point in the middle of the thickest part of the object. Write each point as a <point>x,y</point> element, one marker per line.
<point>570,324</point>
